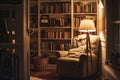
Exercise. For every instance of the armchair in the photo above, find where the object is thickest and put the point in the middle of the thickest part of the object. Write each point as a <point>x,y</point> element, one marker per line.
<point>73,63</point>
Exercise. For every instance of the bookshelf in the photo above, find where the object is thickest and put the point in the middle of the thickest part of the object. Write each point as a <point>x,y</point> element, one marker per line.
<point>55,23</point>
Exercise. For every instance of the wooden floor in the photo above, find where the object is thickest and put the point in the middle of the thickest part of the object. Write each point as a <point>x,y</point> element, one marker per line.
<point>51,74</point>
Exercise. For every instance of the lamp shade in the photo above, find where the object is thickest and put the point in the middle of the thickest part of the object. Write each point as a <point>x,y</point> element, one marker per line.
<point>87,25</point>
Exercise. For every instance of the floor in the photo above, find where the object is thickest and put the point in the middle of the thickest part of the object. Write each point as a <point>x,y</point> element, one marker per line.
<point>35,78</point>
<point>51,74</point>
<point>48,74</point>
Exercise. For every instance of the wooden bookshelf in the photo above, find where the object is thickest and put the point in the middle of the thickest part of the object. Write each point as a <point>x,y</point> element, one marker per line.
<point>56,22</point>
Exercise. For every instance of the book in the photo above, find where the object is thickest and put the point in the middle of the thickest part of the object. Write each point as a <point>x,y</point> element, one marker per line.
<point>44,20</point>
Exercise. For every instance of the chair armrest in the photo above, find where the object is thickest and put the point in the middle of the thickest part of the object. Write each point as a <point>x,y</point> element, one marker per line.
<point>62,53</point>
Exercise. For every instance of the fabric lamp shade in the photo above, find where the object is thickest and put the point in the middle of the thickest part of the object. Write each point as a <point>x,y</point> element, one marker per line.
<point>87,25</point>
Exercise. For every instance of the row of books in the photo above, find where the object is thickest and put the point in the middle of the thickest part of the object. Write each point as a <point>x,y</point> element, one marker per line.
<point>47,20</point>
<point>55,7</point>
<point>57,35</point>
<point>88,8</point>
<point>52,45</point>
<point>60,7</point>
<point>60,21</point>
<point>77,19</point>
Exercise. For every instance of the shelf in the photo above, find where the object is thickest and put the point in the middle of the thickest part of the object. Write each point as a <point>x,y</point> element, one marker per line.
<point>56,27</point>
<point>56,14</point>
<point>85,13</point>
<point>56,39</point>
<point>34,29</point>
<point>85,0</point>
<point>49,50</point>
<point>55,1</point>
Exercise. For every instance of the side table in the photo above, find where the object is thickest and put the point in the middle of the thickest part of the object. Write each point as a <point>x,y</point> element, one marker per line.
<point>40,64</point>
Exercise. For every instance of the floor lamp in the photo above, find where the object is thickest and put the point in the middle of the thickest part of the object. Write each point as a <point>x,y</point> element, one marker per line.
<point>87,26</point>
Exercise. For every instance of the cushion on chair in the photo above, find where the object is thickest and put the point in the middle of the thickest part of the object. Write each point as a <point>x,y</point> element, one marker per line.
<point>62,53</point>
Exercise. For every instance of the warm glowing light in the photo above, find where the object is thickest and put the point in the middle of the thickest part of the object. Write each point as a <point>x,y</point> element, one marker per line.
<point>87,25</point>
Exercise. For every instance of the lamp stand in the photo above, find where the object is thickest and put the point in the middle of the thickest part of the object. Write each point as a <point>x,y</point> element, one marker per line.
<point>88,50</point>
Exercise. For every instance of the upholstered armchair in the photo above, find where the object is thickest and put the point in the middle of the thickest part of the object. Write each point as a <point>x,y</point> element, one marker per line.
<point>73,63</point>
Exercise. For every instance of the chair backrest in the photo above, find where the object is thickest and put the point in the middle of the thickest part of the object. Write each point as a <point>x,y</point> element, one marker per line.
<point>81,41</point>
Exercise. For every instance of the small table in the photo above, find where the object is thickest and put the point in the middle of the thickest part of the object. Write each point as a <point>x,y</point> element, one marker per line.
<point>40,64</point>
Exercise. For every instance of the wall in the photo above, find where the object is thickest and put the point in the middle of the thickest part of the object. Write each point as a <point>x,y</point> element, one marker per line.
<point>101,28</point>
<point>111,14</point>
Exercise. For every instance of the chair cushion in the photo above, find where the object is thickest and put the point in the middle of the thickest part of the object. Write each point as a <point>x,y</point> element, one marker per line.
<point>67,58</point>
